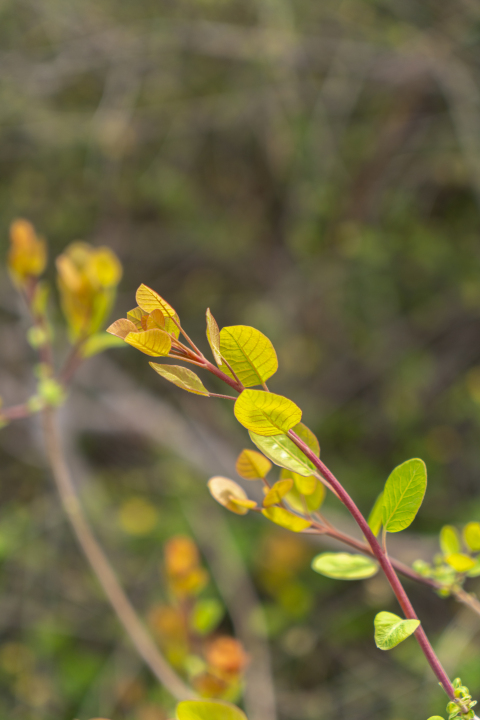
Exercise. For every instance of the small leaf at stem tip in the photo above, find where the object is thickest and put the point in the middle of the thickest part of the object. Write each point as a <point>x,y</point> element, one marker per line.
<point>148,300</point>
<point>460,562</point>
<point>250,354</point>
<point>181,377</point>
<point>266,413</point>
<point>121,328</point>
<point>277,492</point>
<point>299,502</point>
<point>208,710</point>
<point>213,337</point>
<point>135,316</point>
<point>286,519</point>
<point>206,615</point>
<point>156,319</point>
<point>98,343</point>
<point>391,630</point>
<point>403,494</point>
<point>225,490</point>
<point>449,540</point>
<point>308,437</point>
<point>252,465</point>
<point>283,452</point>
<point>376,515</point>
<point>471,536</point>
<point>151,342</point>
<point>344,566</point>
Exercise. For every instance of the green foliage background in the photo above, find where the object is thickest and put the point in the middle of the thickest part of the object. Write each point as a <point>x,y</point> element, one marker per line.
<point>313,170</point>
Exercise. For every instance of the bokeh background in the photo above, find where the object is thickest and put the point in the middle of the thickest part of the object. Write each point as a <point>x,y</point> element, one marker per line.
<point>308,168</point>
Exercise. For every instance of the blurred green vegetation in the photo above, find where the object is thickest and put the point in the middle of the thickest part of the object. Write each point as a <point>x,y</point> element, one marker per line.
<point>313,170</point>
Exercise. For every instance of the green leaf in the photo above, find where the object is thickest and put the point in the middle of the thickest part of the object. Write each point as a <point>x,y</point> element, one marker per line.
<point>206,615</point>
<point>376,515</point>
<point>286,519</point>
<point>252,465</point>
<point>182,377</point>
<point>151,342</point>
<point>213,337</point>
<point>98,343</point>
<point>471,535</point>
<point>391,630</point>
<point>475,571</point>
<point>297,501</point>
<point>208,710</point>
<point>435,717</point>
<point>266,413</point>
<point>283,452</point>
<point>250,354</point>
<point>449,540</point>
<point>277,492</point>
<point>344,566</point>
<point>403,494</point>
<point>305,434</point>
<point>148,300</point>
<point>460,562</point>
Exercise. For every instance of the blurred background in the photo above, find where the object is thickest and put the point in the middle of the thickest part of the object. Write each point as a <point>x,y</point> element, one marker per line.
<point>311,169</point>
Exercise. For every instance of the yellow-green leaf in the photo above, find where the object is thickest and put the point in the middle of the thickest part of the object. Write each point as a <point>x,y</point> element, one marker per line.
<point>449,540</point>
<point>308,437</point>
<point>252,465</point>
<point>121,328</point>
<point>148,300</point>
<point>475,571</point>
<point>286,519</point>
<point>277,492</point>
<point>403,494</point>
<point>208,710</point>
<point>391,630</point>
<point>250,354</point>
<point>151,342</point>
<point>312,502</point>
<point>471,535</point>
<point>135,316</point>
<point>225,490</point>
<point>376,515</point>
<point>460,562</point>
<point>182,377</point>
<point>344,566</point>
<point>240,502</point>
<point>213,337</point>
<point>266,413</point>
<point>283,452</point>
<point>98,343</point>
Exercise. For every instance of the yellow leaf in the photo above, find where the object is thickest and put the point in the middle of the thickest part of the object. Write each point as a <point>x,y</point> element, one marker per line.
<point>305,485</point>
<point>277,492</point>
<point>471,535</point>
<point>156,319</point>
<point>213,337</point>
<point>151,342</point>
<point>302,503</point>
<point>28,253</point>
<point>305,434</point>
<point>182,377</point>
<point>460,562</point>
<point>286,519</point>
<point>104,267</point>
<point>266,413</point>
<point>149,300</point>
<point>250,354</point>
<point>224,490</point>
<point>249,504</point>
<point>252,465</point>
<point>121,328</point>
<point>135,316</point>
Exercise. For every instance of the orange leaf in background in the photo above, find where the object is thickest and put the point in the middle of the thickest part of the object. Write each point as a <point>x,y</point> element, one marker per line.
<point>181,555</point>
<point>226,655</point>
<point>28,253</point>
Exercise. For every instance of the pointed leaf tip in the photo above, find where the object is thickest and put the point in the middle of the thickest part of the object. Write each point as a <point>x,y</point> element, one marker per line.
<point>213,337</point>
<point>181,377</point>
<point>403,494</point>
<point>149,300</point>
<point>391,630</point>
<point>266,413</point>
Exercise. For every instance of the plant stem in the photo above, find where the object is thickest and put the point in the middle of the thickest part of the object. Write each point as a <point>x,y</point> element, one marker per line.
<point>100,565</point>
<point>384,562</point>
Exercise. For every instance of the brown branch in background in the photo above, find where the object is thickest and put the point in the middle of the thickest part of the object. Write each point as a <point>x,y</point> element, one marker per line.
<point>102,568</point>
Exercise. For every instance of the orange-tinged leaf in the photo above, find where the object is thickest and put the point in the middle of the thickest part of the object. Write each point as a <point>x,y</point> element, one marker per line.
<point>121,328</point>
<point>266,413</point>
<point>277,492</point>
<point>213,337</point>
<point>252,465</point>
<point>149,300</point>
<point>181,377</point>
<point>28,253</point>
<point>156,319</point>
<point>286,519</point>
<point>250,354</point>
<point>151,342</point>
<point>224,490</point>
<point>135,316</point>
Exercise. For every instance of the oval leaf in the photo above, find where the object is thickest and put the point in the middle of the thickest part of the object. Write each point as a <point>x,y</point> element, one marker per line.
<point>403,494</point>
<point>283,452</point>
<point>277,492</point>
<point>225,490</point>
<point>286,519</point>
<point>471,535</point>
<point>252,465</point>
<point>208,710</point>
<point>298,502</point>
<point>266,413</point>
<point>135,316</point>
<point>148,300</point>
<point>344,566</point>
<point>449,540</point>
<point>250,354</point>
<point>151,342</point>
<point>213,337</point>
<point>182,377</point>
<point>376,515</point>
<point>121,328</point>
<point>460,562</point>
<point>391,630</point>
<point>308,437</point>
